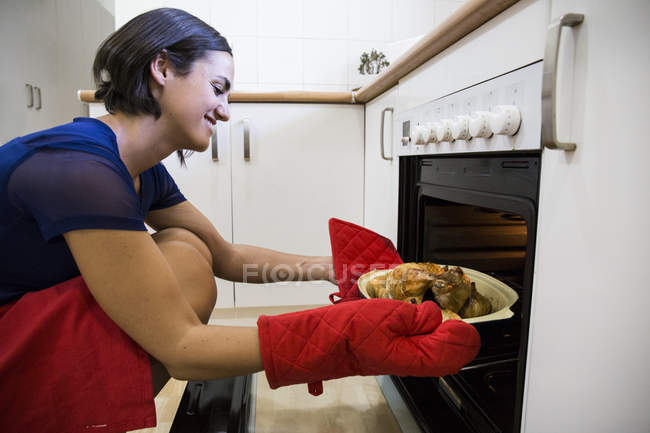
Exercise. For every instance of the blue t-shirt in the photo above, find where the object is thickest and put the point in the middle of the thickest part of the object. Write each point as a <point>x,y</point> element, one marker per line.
<point>61,179</point>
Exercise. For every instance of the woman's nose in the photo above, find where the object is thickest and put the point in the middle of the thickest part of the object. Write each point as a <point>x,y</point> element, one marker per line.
<point>223,112</point>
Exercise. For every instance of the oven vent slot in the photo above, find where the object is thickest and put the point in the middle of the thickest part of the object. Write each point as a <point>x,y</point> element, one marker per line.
<point>476,170</point>
<point>515,164</point>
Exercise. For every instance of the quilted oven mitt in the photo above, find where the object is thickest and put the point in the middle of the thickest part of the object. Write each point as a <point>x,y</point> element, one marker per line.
<point>355,251</point>
<point>366,337</point>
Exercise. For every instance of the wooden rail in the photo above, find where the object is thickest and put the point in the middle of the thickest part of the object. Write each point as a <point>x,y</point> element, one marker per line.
<point>287,96</point>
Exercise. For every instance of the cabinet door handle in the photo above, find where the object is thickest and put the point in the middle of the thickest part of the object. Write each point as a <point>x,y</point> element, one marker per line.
<point>381,134</point>
<point>215,145</point>
<point>549,81</point>
<point>29,95</point>
<point>247,140</point>
<point>37,98</point>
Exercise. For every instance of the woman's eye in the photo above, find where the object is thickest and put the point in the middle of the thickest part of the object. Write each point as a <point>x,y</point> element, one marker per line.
<point>217,90</point>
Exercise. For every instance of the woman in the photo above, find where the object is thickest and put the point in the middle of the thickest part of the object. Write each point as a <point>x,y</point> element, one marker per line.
<point>96,314</point>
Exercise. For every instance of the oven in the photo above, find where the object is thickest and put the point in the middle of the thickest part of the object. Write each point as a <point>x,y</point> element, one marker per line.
<point>222,405</point>
<point>468,196</point>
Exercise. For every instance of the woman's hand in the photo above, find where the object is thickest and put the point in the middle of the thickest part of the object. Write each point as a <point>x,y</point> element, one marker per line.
<point>318,268</point>
<point>368,337</point>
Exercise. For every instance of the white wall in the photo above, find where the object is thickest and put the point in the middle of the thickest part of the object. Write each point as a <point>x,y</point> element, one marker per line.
<point>305,44</point>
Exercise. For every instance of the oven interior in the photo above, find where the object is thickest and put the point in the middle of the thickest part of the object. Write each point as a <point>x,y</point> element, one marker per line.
<point>479,213</point>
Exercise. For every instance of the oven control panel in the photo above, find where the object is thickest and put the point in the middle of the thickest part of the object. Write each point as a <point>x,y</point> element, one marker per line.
<point>501,114</point>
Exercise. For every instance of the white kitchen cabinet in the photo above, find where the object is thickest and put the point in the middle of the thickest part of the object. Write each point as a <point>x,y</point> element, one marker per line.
<point>50,45</point>
<point>205,182</point>
<point>13,118</point>
<point>588,347</point>
<point>28,39</point>
<point>381,175</point>
<point>305,166</point>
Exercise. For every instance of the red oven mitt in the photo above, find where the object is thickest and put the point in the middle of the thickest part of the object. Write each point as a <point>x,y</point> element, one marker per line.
<point>367,337</point>
<point>355,251</point>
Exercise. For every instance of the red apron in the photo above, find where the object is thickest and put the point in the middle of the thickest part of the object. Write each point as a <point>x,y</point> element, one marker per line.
<point>65,366</point>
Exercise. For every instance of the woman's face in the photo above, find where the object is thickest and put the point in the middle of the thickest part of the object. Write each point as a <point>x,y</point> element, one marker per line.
<point>192,104</point>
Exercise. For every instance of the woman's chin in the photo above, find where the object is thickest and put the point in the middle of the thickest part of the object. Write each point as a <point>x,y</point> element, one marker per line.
<point>200,145</point>
<point>204,147</point>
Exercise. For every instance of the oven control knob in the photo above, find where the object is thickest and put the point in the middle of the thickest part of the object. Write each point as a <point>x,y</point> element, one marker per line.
<point>443,130</point>
<point>420,134</point>
<point>505,120</point>
<point>479,124</point>
<point>460,128</point>
<point>431,133</point>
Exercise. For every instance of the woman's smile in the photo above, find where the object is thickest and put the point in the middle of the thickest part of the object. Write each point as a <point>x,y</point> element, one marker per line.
<point>210,119</point>
<point>212,122</point>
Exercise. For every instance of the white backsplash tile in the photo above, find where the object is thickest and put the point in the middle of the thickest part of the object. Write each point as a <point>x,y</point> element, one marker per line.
<point>235,18</point>
<point>326,87</point>
<point>280,60</point>
<point>125,10</point>
<point>370,19</point>
<point>395,49</point>
<point>306,44</point>
<point>245,87</point>
<point>282,18</point>
<point>326,19</point>
<point>325,61</point>
<point>198,8</point>
<point>444,8</point>
<point>412,18</point>
<point>244,49</point>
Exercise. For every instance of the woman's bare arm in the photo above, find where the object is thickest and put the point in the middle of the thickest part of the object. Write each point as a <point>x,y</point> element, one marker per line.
<point>132,282</point>
<point>236,262</point>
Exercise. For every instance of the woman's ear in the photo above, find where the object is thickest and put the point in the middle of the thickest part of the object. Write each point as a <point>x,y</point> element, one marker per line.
<point>159,68</point>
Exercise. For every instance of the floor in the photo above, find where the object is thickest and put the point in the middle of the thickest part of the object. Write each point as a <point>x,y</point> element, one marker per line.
<point>352,404</point>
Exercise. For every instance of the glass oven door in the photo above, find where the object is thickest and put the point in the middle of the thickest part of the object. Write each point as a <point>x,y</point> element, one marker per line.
<point>479,213</point>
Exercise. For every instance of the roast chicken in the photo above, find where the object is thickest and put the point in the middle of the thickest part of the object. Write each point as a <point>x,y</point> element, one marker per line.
<point>476,305</point>
<point>452,289</point>
<point>411,282</point>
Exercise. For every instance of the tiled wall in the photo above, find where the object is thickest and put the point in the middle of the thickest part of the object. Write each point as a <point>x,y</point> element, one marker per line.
<point>306,44</point>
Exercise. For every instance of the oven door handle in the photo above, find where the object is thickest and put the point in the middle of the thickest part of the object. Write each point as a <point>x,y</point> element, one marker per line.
<point>446,388</point>
<point>549,81</point>
<point>381,135</point>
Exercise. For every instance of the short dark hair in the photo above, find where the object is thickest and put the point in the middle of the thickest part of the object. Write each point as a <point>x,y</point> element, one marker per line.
<point>121,66</point>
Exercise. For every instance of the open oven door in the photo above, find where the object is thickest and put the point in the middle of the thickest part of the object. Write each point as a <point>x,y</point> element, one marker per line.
<point>216,406</point>
<point>477,212</point>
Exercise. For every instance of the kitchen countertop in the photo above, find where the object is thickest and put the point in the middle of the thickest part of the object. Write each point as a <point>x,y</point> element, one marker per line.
<point>351,404</point>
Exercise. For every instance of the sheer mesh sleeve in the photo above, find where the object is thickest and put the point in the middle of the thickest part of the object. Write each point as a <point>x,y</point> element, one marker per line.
<point>65,190</point>
<point>168,193</point>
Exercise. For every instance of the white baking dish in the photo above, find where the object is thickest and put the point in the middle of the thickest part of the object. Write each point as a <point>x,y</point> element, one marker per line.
<point>501,296</point>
